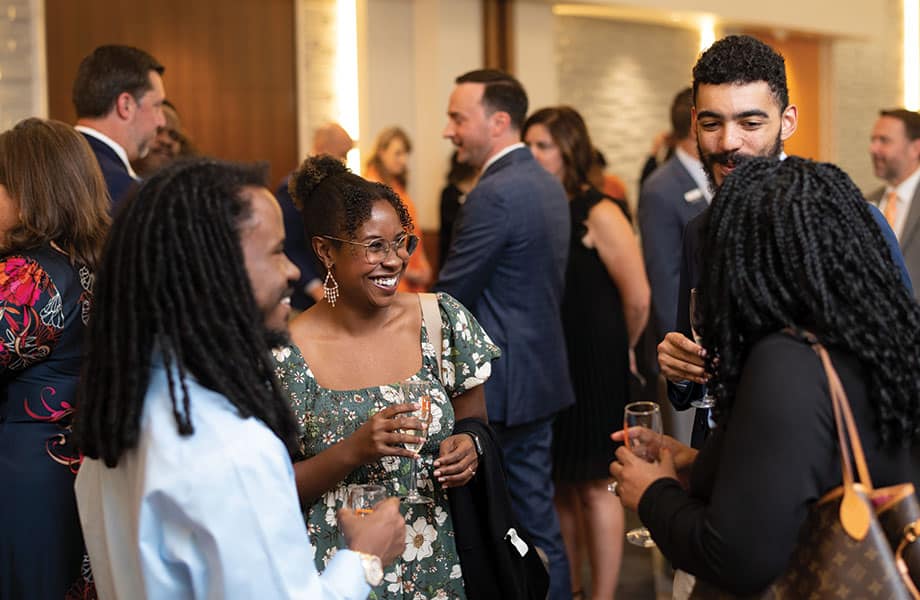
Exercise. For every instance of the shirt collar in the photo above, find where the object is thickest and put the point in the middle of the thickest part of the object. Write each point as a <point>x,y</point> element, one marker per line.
<point>695,168</point>
<point>115,146</point>
<point>501,153</point>
<point>907,187</point>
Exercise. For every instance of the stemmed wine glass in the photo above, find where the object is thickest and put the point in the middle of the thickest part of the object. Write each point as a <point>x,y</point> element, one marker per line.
<point>696,318</point>
<point>647,415</point>
<point>418,392</point>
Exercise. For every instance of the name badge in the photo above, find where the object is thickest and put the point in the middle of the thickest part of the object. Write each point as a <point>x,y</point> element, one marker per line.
<point>693,195</point>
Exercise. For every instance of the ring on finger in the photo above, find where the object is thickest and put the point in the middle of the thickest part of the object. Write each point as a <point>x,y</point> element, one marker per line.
<point>612,488</point>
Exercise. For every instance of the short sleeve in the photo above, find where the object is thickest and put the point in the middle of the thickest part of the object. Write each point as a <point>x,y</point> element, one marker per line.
<point>31,313</point>
<point>467,351</point>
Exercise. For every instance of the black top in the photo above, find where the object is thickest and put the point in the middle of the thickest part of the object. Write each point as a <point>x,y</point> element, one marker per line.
<point>755,478</point>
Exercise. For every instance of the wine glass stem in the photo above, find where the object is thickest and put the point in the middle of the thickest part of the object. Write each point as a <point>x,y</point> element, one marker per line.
<point>413,484</point>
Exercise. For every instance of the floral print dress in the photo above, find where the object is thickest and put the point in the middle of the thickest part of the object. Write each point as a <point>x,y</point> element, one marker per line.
<point>429,566</point>
<point>44,307</point>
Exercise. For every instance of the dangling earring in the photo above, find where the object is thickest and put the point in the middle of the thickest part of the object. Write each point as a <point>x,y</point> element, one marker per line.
<point>330,287</point>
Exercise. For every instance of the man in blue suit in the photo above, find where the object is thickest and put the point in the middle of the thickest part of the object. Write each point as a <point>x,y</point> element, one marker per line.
<point>669,198</point>
<point>507,264</point>
<point>672,195</point>
<point>118,95</point>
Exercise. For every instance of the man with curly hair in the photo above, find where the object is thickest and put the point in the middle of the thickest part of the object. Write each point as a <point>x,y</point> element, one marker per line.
<point>741,109</point>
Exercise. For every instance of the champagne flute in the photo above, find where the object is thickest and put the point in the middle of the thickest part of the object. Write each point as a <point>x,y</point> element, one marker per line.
<point>418,392</point>
<point>364,497</point>
<point>696,317</point>
<point>647,415</point>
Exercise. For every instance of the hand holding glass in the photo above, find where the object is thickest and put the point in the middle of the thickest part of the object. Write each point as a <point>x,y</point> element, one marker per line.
<point>696,319</point>
<point>647,415</point>
<point>418,392</point>
<point>362,498</point>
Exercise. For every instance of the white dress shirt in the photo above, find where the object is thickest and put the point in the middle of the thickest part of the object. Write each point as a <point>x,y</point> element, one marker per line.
<point>695,168</point>
<point>501,153</point>
<point>905,192</point>
<point>115,146</point>
<point>213,515</point>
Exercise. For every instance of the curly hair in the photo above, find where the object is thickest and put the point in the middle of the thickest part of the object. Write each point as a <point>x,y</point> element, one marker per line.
<point>741,59</point>
<point>792,244</point>
<point>334,201</point>
<point>570,134</point>
<point>173,282</point>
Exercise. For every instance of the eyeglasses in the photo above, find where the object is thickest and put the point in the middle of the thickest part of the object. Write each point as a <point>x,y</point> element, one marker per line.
<point>377,251</point>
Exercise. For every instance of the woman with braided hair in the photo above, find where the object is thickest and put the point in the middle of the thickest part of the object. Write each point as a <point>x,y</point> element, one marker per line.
<point>792,252</point>
<point>343,370</point>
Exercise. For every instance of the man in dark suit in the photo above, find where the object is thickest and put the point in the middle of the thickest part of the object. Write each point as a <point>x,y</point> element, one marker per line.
<point>118,95</point>
<point>895,151</point>
<point>676,192</point>
<point>672,195</point>
<point>507,264</point>
<point>741,109</point>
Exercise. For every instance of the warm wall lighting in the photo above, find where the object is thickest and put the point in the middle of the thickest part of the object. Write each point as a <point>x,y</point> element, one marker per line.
<point>346,74</point>
<point>707,32</point>
<point>911,54</point>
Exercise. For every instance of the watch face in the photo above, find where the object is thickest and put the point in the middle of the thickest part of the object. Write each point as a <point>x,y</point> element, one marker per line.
<point>373,570</point>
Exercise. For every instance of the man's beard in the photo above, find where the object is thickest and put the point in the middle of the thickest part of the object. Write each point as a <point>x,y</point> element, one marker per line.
<point>735,158</point>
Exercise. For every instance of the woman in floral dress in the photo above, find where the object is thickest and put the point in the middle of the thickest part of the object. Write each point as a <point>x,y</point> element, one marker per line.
<point>53,220</point>
<point>343,370</point>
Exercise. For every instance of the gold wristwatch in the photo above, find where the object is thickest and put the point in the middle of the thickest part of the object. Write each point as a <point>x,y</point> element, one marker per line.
<point>373,569</point>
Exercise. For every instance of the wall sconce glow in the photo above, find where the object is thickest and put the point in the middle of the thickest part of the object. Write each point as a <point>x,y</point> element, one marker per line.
<point>707,32</point>
<point>911,54</point>
<point>346,75</point>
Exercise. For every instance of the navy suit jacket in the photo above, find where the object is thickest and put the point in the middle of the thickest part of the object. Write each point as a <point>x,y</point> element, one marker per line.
<point>690,269</point>
<point>507,264</point>
<point>117,179</point>
<point>668,200</point>
<point>296,247</point>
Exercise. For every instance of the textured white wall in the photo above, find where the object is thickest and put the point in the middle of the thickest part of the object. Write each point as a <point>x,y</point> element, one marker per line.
<point>22,61</point>
<point>863,76</point>
<point>315,44</point>
<point>622,78</point>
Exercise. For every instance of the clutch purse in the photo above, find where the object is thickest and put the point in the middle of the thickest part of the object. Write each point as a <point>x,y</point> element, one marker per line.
<point>857,541</point>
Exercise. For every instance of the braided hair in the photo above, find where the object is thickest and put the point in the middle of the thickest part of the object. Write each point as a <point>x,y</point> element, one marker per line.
<point>172,282</point>
<point>793,244</point>
<point>335,201</point>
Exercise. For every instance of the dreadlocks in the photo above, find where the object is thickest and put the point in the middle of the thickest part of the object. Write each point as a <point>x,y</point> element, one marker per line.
<point>792,243</point>
<point>172,283</point>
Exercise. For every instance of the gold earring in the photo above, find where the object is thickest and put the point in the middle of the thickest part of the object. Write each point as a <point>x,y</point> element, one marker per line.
<point>330,287</point>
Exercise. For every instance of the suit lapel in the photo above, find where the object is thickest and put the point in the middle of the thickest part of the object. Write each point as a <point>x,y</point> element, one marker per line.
<point>912,224</point>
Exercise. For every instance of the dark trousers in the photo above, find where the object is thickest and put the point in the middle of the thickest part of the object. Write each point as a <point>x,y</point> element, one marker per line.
<point>529,462</point>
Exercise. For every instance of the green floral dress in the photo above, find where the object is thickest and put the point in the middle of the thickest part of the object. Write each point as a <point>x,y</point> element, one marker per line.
<point>429,567</point>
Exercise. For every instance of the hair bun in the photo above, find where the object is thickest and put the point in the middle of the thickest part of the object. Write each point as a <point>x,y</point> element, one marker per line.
<point>312,172</point>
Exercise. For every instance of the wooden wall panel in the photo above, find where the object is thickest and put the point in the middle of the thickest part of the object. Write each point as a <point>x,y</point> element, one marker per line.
<point>803,78</point>
<point>230,67</point>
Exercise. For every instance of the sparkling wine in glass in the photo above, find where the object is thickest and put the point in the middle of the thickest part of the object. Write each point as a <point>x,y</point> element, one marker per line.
<point>696,318</point>
<point>647,415</point>
<point>420,393</point>
<point>364,497</point>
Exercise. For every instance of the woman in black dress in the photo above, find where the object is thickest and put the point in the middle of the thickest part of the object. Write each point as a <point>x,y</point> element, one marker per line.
<point>53,220</point>
<point>789,244</point>
<point>604,311</point>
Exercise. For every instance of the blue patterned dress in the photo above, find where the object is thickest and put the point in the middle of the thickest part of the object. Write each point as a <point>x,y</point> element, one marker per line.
<point>44,306</point>
<point>429,566</point>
